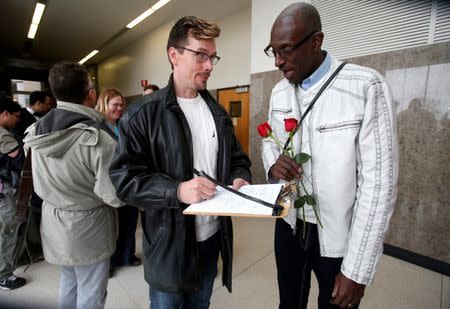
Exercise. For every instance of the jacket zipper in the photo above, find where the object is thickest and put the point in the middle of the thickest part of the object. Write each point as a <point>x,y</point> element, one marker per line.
<point>338,126</point>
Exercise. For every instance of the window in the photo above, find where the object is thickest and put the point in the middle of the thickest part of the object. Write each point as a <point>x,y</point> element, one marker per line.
<point>21,90</point>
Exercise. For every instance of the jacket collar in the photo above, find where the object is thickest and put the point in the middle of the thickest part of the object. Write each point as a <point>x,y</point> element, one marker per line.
<point>81,109</point>
<point>170,99</point>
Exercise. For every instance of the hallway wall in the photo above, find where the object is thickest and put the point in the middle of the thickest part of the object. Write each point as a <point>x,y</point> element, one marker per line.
<point>147,58</point>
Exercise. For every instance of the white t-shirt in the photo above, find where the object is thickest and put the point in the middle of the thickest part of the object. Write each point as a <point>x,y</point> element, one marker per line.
<point>205,147</point>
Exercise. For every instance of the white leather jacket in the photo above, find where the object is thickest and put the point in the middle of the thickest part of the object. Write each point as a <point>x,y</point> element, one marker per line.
<point>354,153</point>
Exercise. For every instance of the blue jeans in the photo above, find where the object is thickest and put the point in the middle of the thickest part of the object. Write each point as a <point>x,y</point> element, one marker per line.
<point>209,254</point>
<point>84,287</point>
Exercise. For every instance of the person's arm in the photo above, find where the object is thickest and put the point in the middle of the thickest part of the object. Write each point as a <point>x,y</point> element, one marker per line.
<point>14,153</point>
<point>103,187</point>
<point>377,173</point>
<point>133,169</point>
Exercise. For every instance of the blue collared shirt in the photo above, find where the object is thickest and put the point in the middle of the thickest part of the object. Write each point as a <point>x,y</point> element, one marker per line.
<point>318,74</point>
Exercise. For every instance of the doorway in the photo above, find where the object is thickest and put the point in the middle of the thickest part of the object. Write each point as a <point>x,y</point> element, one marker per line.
<point>236,101</point>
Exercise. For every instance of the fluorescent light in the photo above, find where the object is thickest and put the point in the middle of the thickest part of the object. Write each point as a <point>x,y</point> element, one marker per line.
<point>159,4</point>
<point>147,13</point>
<point>140,18</point>
<point>91,54</point>
<point>32,31</point>
<point>38,11</point>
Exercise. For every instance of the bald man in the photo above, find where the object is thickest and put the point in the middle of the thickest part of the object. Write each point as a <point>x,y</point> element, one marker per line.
<point>351,136</point>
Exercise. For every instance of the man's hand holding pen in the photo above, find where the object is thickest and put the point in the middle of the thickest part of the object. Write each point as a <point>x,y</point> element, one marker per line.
<point>196,190</point>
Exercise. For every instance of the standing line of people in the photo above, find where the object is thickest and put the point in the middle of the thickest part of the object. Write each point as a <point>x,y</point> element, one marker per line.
<point>86,164</point>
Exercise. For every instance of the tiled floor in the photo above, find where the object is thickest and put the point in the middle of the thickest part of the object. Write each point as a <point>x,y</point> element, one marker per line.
<point>398,285</point>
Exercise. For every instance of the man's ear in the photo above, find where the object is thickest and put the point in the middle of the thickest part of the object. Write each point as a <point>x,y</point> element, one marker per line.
<point>172,53</point>
<point>317,41</point>
<point>91,98</point>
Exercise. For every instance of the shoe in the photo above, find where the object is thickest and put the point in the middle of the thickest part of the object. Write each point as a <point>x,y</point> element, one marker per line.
<point>135,261</point>
<point>11,282</point>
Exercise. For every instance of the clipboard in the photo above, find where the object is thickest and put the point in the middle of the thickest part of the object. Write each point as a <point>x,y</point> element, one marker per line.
<point>277,210</point>
<point>282,201</point>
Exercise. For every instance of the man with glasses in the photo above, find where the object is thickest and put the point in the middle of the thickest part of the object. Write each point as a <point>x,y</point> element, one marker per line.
<point>163,137</point>
<point>70,161</point>
<point>350,133</point>
<point>11,163</point>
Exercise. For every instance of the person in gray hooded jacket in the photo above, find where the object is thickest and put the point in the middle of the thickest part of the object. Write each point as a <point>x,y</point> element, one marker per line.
<point>70,161</point>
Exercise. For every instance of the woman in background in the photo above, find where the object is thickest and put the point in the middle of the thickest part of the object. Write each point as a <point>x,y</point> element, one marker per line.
<point>112,104</point>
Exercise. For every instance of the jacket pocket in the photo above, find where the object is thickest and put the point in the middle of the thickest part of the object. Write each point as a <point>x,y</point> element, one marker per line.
<point>154,225</point>
<point>281,110</point>
<point>339,126</point>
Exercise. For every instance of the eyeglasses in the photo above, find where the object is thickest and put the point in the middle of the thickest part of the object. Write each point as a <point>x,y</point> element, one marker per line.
<point>285,51</point>
<point>116,105</point>
<point>202,57</point>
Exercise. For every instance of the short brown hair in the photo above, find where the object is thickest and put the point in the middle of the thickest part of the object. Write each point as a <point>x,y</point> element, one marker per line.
<point>69,81</point>
<point>191,26</point>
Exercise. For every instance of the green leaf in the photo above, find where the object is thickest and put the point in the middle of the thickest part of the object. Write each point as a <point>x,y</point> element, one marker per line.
<point>310,200</point>
<point>302,157</point>
<point>300,202</point>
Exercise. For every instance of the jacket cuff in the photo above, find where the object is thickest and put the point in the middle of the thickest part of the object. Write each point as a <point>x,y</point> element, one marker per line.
<point>172,195</point>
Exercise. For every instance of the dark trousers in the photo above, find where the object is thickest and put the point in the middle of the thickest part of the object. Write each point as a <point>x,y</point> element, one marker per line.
<point>208,252</point>
<point>126,241</point>
<point>296,258</point>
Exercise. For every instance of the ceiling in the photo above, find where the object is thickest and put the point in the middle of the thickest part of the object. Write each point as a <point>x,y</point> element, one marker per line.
<point>70,29</point>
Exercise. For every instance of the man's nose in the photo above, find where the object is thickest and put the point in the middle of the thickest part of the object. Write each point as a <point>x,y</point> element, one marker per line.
<point>208,65</point>
<point>278,60</point>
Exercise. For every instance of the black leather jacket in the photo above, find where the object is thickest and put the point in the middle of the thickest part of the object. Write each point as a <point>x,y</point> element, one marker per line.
<point>153,155</point>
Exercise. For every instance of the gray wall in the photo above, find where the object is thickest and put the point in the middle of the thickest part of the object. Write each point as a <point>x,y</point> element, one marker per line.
<point>420,83</point>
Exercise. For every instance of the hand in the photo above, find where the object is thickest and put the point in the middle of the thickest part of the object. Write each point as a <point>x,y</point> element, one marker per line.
<point>239,182</point>
<point>346,292</point>
<point>286,169</point>
<point>196,190</point>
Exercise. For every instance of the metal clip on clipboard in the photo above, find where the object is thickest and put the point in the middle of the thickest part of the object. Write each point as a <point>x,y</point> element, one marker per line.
<point>277,209</point>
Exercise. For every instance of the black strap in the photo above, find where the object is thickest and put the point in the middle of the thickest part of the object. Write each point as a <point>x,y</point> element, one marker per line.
<point>314,101</point>
<point>277,209</point>
<point>25,189</point>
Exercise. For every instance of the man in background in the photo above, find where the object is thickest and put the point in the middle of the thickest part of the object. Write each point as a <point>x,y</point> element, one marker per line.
<point>11,162</point>
<point>150,88</point>
<point>70,161</point>
<point>40,104</point>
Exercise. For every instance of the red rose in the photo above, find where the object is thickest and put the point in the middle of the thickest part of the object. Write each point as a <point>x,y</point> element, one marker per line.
<point>264,129</point>
<point>290,124</point>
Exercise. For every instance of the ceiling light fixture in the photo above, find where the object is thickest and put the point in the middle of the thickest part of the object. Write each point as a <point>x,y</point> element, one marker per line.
<point>38,12</point>
<point>159,4</point>
<point>147,13</point>
<point>91,54</point>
